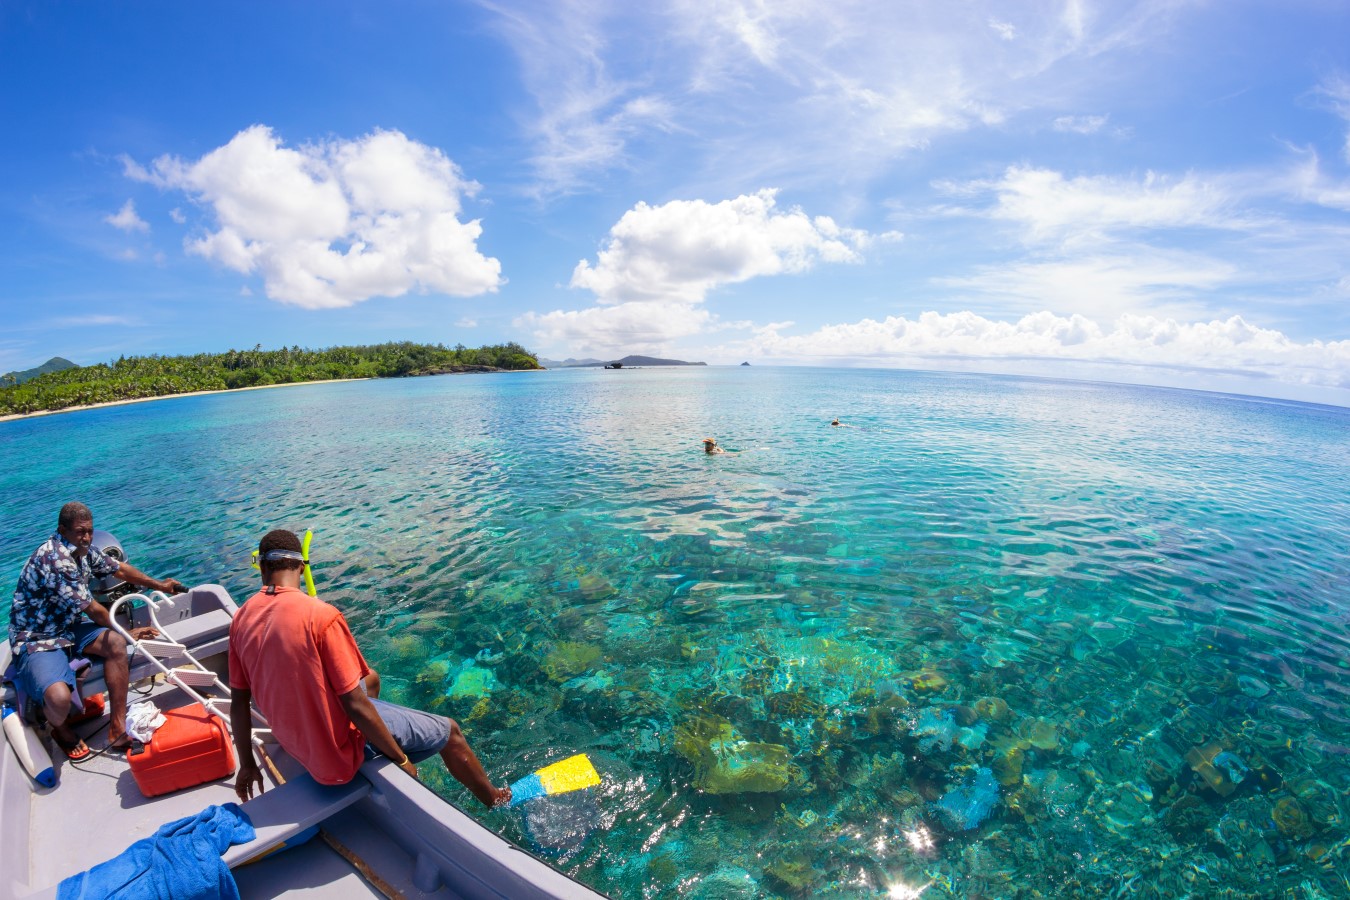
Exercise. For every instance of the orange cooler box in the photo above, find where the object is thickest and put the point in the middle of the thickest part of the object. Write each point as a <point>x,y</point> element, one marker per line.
<point>191,747</point>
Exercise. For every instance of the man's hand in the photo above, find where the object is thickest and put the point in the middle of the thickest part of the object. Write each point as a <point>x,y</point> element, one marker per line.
<point>172,586</point>
<point>140,634</point>
<point>248,777</point>
<point>127,572</point>
<point>409,766</point>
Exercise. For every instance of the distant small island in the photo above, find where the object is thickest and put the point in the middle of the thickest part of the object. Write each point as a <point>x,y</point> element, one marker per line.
<point>142,377</point>
<point>628,362</point>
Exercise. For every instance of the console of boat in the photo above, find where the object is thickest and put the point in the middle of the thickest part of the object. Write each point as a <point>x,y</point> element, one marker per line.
<point>382,835</point>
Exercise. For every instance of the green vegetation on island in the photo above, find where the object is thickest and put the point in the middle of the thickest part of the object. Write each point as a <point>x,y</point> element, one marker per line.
<point>137,377</point>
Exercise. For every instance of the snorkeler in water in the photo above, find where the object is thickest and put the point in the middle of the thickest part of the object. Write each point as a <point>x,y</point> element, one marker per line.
<point>710,447</point>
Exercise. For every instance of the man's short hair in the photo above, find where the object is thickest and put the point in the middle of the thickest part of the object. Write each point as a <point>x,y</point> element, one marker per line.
<point>71,513</point>
<point>280,539</point>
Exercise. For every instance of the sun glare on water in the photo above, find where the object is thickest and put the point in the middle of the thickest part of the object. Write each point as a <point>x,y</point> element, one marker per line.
<point>900,891</point>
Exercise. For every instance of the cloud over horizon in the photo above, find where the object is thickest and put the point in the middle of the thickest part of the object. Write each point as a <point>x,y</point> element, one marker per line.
<point>1233,345</point>
<point>335,223</point>
<point>659,263</point>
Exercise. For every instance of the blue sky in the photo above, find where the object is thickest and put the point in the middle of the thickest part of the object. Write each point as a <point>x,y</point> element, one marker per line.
<point>1153,192</point>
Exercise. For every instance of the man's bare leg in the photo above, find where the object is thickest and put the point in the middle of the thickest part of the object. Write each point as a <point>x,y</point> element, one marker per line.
<point>56,704</point>
<point>463,764</point>
<point>116,673</point>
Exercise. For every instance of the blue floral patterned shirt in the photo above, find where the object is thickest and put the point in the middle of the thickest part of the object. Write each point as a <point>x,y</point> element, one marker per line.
<point>54,590</point>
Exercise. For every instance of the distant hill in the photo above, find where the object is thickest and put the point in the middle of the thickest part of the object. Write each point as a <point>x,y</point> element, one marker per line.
<point>569,363</point>
<point>55,364</point>
<point>631,361</point>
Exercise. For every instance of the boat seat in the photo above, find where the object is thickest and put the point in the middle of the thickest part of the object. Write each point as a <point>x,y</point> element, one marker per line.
<point>283,812</point>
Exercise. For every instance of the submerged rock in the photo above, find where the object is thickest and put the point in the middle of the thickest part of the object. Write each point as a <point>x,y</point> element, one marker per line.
<point>1039,733</point>
<point>1188,818</point>
<point>992,709</point>
<point>744,767</point>
<point>935,729</point>
<point>1220,770</point>
<point>1291,819</point>
<point>570,658</point>
<point>593,587</point>
<point>1122,808</point>
<point>472,683</point>
<point>1319,800</point>
<point>1007,766</point>
<point>726,764</point>
<point>793,876</point>
<point>928,683</point>
<point>968,805</point>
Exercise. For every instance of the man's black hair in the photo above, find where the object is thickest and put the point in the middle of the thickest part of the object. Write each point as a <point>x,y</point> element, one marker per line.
<point>280,539</point>
<point>73,512</point>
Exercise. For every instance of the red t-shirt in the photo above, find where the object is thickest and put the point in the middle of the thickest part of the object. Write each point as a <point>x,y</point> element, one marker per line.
<point>297,656</point>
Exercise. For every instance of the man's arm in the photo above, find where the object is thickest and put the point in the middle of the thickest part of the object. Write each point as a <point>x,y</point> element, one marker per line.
<point>99,615</point>
<point>241,723</point>
<point>127,572</point>
<point>366,718</point>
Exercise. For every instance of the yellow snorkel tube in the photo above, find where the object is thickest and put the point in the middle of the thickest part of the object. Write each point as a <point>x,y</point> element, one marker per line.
<point>304,551</point>
<point>309,573</point>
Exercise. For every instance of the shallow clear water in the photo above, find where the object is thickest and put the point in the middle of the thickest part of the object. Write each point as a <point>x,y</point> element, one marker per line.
<point>999,637</point>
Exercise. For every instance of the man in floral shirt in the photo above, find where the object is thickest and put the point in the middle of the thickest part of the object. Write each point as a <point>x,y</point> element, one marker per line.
<point>46,626</point>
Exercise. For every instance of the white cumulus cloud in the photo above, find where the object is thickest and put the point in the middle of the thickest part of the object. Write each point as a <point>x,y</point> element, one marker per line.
<point>659,264</point>
<point>335,223</point>
<point>126,219</point>
<point>634,327</point>
<point>679,251</point>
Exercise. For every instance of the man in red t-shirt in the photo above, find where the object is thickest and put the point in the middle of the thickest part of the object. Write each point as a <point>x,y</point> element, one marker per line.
<point>295,657</point>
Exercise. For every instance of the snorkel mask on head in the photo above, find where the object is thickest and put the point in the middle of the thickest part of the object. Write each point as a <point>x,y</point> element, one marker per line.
<point>302,556</point>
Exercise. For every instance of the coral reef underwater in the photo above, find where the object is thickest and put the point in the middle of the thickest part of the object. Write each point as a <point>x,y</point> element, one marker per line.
<point>841,757</point>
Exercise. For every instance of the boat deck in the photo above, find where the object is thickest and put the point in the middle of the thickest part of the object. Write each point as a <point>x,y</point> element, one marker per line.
<point>96,811</point>
<point>383,834</point>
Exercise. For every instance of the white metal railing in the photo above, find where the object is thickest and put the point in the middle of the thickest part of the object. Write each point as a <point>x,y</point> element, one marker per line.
<point>187,674</point>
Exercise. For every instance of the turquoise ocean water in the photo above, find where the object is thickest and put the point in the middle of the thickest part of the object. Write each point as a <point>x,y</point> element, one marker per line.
<point>999,637</point>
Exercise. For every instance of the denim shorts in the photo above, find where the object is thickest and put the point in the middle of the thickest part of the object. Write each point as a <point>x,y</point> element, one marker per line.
<point>420,734</point>
<point>37,671</point>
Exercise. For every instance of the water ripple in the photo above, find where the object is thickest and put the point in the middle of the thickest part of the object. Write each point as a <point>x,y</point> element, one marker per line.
<point>1147,579</point>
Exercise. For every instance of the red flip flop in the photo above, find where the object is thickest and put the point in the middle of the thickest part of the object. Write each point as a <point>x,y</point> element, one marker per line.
<point>74,752</point>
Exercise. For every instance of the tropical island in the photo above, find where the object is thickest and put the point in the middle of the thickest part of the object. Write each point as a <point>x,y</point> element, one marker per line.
<point>143,377</point>
<point>628,362</point>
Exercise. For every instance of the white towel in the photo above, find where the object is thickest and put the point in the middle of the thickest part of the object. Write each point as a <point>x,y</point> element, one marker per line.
<point>142,720</point>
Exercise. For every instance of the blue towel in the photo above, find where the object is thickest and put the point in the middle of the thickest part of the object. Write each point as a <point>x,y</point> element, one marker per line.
<point>180,862</point>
